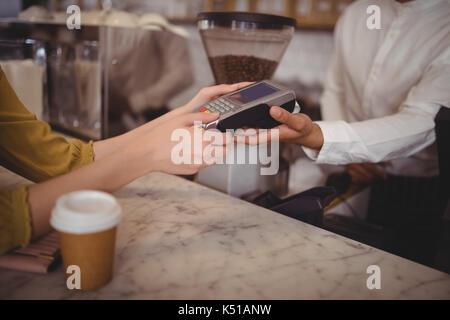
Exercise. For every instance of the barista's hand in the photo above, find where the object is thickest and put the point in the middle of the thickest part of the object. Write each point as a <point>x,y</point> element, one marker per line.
<point>153,150</point>
<point>295,128</point>
<point>208,94</point>
<point>366,173</point>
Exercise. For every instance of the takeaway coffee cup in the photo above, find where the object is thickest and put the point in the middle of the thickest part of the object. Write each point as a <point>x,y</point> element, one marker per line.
<point>86,222</point>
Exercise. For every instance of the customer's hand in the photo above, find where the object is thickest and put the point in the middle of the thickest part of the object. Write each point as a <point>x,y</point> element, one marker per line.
<point>105,147</point>
<point>295,128</point>
<point>153,150</point>
<point>365,173</point>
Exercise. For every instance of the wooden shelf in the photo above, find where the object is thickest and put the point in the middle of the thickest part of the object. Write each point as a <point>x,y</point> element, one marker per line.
<point>310,14</point>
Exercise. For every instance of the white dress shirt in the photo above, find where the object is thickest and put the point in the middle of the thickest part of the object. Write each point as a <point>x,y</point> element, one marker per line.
<point>386,86</point>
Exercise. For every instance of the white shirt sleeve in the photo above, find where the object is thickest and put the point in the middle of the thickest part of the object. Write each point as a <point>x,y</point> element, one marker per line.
<point>396,136</point>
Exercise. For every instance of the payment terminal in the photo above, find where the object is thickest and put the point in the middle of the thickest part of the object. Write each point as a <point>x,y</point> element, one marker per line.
<point>249,106</point>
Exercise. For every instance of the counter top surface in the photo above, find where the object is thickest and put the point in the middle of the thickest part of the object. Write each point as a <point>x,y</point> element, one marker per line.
<point>180,240</point>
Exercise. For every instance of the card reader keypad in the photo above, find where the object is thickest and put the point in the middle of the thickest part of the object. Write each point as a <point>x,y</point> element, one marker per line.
<point>219,105</point>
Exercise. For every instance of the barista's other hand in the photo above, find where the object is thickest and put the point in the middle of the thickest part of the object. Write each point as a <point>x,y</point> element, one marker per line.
<point>153,148</point>
<point>295,128</point>
<point>207,94</point>
<point>366,173</point>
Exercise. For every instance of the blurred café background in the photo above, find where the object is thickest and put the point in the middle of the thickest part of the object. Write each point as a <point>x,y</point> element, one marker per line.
<point>133,60</point>
<point>155,46</point>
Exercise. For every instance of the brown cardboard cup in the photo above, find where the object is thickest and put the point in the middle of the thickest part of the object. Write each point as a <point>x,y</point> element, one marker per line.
<point>87,222</point>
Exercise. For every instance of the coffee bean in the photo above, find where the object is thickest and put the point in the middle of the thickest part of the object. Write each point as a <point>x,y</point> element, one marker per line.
<point>232,68</point>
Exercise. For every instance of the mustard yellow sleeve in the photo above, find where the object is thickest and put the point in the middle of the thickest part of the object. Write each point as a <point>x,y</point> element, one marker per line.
<point>27,145</point>
<point>15,222</point>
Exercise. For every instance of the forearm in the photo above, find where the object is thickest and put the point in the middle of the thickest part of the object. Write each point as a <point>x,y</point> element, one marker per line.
<point>396,136</point>
<point>108,174</point>
<point>150,152</point>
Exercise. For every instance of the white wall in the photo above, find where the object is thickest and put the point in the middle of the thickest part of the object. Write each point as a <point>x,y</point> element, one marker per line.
<point>307,57</point>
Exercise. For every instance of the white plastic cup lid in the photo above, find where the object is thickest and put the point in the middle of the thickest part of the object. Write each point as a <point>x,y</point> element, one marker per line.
<point>85,211</point>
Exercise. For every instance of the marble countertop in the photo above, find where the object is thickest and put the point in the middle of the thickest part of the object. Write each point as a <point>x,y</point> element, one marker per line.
<point>180,240</point>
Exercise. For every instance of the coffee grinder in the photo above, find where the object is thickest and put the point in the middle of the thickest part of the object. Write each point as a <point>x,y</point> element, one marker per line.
<point>244,46</point>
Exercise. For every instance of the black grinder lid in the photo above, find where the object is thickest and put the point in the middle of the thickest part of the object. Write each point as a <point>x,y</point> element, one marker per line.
<point>260,18</point>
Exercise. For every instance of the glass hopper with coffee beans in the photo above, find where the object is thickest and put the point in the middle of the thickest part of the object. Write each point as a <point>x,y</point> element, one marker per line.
<point>244,46</point>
